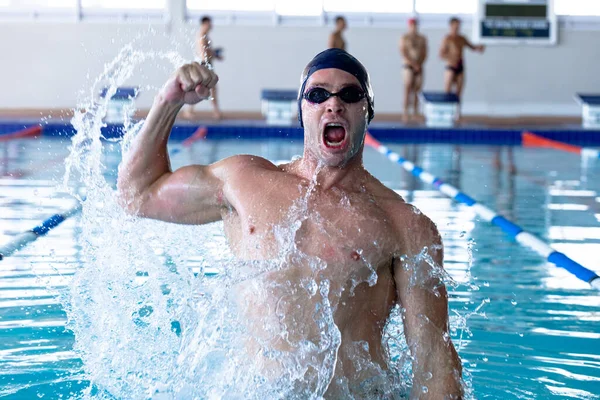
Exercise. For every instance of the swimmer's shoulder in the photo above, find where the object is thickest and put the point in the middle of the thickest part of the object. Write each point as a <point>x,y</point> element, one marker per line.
<point>406,217</point>
<point>245,164</point>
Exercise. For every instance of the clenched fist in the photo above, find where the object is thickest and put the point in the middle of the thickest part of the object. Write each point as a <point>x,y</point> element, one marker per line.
<point>190,84</point>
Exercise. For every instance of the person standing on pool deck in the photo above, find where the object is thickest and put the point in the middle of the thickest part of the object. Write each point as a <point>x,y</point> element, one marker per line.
<point>205,54</point>
<point>451,51</point>
<point>413,49</point>
<point>336,40</point>
<point>352,223</point>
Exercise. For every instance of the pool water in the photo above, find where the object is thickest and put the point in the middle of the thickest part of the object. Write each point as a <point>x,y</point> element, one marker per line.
<point>532,329</point>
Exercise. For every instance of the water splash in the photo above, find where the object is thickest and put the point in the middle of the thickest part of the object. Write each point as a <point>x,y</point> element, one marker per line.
<point>150,324</point>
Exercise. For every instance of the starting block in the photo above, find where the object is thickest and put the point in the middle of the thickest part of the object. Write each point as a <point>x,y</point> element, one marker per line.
<point>279,106</point>
<point>120,105</point>
<point>441,109</point>
<point>590,110</point>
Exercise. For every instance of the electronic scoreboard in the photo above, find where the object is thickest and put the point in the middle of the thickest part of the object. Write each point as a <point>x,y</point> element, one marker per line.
<point>515,22</point>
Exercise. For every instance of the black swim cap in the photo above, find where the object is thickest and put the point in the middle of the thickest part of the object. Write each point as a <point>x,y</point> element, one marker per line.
<point>339,59</point>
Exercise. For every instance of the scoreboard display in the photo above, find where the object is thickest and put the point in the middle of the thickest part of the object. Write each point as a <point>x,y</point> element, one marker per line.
<point>515,22</point>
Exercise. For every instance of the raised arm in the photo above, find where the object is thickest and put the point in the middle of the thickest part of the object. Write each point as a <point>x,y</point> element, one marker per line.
<point>424,298</point>
<point>146,184</point>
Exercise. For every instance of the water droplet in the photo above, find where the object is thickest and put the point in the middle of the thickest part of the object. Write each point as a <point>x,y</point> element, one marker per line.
<point>485,359</point>
<point>424,389</point>
<point>513,302</point>
<point>462,234</point>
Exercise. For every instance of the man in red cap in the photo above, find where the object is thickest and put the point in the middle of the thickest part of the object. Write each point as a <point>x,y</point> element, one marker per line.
<point>331,251</point>
<point>413,49</point>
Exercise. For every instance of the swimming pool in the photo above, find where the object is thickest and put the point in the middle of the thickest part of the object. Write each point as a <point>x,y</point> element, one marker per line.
<point>532,329</point>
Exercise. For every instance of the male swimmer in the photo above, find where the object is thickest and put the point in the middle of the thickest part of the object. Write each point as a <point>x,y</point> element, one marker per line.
<point>413,49</point>
<point>206,54</point>
<point>336,40</point>
<point>354,225</point>
<point>451,50</point>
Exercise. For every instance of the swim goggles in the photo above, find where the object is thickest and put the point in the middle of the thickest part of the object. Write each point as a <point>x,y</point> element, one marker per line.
<point>349,94</point>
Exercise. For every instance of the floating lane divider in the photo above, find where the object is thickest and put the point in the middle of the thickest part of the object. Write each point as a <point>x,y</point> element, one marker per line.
<point>525,238</point>
<point>532,140</point>
<point>42,229</point>
<point>25,133</point>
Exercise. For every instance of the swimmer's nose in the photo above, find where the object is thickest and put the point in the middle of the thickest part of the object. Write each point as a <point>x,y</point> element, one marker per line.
<point>335,105</point>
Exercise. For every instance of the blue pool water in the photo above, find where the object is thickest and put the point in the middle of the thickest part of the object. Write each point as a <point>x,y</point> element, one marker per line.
<point>532,330</point>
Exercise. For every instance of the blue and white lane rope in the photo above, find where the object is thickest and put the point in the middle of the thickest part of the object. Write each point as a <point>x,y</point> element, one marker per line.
<point>525,238</point>
<point>42,229</point>
<point>23,239</point>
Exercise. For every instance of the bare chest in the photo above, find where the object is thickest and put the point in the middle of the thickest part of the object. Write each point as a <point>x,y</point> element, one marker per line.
<point>345,229</point>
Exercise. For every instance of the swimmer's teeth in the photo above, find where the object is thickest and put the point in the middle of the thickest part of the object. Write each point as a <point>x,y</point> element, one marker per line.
<point>333,124</point>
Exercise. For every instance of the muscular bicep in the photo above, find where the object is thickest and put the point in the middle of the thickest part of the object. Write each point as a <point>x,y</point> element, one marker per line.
<point>189,195</point>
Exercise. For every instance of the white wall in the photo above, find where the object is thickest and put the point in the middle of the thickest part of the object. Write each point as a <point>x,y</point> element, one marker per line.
<point>52,64</point>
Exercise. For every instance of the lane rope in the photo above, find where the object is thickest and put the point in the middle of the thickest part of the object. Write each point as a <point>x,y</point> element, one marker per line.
<point>519,234</point>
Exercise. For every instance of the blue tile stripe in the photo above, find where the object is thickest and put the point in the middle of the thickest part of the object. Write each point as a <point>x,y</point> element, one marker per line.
<point>510,228</point>
<point>252,130</point>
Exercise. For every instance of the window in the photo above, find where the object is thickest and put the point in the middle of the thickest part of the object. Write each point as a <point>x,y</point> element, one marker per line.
<point>373,6</point>
<point>577,7</point>
<point>446,6</point>
<point>304,7</point>
<point>231,5</point>
<point>123,5</point>
<point>37,5</point>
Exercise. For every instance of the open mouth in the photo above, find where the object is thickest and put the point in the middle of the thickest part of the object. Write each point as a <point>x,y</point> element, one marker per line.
<point>334,135</point>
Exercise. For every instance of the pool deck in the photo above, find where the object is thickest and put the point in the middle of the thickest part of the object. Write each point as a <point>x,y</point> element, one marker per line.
<point>387,128</point>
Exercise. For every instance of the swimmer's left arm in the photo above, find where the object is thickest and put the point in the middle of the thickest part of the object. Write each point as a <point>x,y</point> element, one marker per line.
<point>480,48</point>
<point>424,299</point>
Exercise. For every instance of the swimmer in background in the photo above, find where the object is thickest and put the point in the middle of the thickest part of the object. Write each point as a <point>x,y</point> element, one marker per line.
<point>353,225</point>
<point>336,40</point>
<point>205,54</point>
<point>451,51</point>
<point>413,49</point>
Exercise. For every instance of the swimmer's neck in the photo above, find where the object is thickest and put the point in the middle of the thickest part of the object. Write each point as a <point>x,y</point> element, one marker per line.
<point>349,176</point>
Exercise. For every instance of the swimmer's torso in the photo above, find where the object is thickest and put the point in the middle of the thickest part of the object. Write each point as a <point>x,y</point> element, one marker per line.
<point>415,47</point>
<point>455,46</point>
<point>337,240</point>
